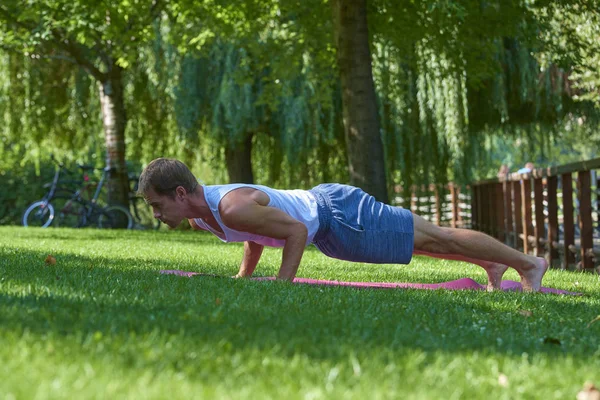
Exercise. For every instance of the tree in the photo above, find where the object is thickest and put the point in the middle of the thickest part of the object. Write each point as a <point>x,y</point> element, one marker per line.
<point>361,119</point>
<point>103,41</point>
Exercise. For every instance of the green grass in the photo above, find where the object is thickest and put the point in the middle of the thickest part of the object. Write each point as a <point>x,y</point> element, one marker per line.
<point>103,323</point>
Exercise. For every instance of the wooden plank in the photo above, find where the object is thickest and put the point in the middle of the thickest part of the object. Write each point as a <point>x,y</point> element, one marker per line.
<point>460,220</point>
<point>474,207</point>
<point>508,214</point>
<point>499,206</point>
<point>584,184</point>
<point>438,206</point>
<point>478,207</point>
<point>568,225</point>
<point>540,231</point>
<point>484,212</point>
<point>598,197</point>
<point>516,189</point>
<point>526,206</point>
<point>454,205</point>
<point>491,230</point>
<point>552,219</point>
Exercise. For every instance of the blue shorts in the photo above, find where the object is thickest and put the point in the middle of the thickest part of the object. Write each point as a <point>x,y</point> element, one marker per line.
<point>354,226</point>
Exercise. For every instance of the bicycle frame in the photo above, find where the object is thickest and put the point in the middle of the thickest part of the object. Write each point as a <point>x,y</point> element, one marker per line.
<point>55,180</point>
<point>91,206</point>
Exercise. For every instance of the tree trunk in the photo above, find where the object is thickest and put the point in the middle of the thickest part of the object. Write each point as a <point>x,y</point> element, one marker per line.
<point>238,157</point>
<point>114,120</point>
<point>361,120</point>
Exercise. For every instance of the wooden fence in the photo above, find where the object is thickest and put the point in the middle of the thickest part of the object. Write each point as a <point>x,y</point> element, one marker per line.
<point>536,213</point>
<point>448,205</point>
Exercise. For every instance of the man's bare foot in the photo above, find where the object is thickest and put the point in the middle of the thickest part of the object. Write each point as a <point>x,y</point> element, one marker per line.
<point>495,271</point>
<point>531,279</point>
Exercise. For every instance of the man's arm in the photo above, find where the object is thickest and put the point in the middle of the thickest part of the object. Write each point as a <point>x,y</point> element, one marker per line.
<point>252,253</point>
<point>243,213</point>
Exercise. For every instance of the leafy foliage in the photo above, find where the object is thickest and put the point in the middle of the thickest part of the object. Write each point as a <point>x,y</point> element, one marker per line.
<point>452,79</point>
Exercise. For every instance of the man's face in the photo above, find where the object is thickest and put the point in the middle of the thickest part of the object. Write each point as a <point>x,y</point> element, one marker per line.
<point>168,210</point>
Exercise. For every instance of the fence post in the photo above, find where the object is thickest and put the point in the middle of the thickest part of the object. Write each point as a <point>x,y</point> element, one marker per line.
<point>585,219</point>
<point>454,204</point>
<point>499,205</point>
<point>460,221</point>
<point>552,184</point>
<point>491,228</point>
<point>569,228</point>
<point>438,205</point>
<point>516,185</point>
<point>480,220</point>
<point>526,203</point>
<point>484,209</point>
<point>508,213</point>
<point>539,233</point>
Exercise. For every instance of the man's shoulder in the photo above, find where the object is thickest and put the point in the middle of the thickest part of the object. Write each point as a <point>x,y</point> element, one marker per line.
<point>245,196</point>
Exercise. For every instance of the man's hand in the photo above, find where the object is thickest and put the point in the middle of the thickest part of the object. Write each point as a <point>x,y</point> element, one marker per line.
<point>246,210</point>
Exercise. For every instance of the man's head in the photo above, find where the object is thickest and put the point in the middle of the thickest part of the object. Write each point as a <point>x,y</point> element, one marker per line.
<point>167,185</point>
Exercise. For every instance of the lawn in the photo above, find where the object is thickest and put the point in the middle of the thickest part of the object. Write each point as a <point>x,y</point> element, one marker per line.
<point>103,323</point>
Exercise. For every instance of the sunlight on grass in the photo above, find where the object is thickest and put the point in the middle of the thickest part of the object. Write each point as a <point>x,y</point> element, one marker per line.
<point>103,323</point>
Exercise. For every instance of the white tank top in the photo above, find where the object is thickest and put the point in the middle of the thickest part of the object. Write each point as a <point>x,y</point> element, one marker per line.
<point>298,204</point>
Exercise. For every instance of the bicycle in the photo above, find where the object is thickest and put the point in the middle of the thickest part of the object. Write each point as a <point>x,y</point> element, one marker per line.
<point>41,213</point>
<point>76,211</point>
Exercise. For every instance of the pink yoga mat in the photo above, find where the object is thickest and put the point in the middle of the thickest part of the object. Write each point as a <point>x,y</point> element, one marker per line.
<point>460,284</point>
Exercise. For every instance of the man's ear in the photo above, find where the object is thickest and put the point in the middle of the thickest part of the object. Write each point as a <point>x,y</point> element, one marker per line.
<point>180,192</point>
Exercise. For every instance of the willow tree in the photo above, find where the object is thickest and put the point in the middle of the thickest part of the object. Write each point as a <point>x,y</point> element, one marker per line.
<point>578,50</point>
<point>102,41</point>
<point>264,95</point>
<point>450,74</point>
<point>257,118</point>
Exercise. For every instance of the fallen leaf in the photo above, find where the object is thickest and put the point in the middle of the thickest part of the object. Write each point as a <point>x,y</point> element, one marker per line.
<point>503,380</point>
<point>525,313</point>
<point>594,320</point>
<point>589,392</point>
<point>551,340</point>
<point>50,260</point>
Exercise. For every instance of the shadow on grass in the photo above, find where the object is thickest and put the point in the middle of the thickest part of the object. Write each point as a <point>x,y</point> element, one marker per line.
<point>77,298</point>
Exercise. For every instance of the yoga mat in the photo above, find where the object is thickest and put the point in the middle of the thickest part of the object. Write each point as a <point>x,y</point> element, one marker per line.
<point>459,284</point>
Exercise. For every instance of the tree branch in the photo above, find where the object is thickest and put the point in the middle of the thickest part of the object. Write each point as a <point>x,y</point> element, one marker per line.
<point>81,60</point>
<point>61,42</point>
<point>11,18</point>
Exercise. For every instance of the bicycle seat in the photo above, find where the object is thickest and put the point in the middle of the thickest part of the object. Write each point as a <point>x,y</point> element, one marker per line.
<point>86,167</point>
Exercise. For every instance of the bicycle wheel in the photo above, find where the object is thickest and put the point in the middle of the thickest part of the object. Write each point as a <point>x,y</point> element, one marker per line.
<point>40,214</point>
<point>70,214</point>
<point>115,217</point>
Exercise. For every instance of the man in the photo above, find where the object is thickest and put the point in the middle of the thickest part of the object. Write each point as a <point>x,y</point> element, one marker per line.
<point>342,221</point>
<point>526,169</point>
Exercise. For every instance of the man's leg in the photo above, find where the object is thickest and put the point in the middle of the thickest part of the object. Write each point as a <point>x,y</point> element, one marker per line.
<point>494,270</point>
<point>473,246</point>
